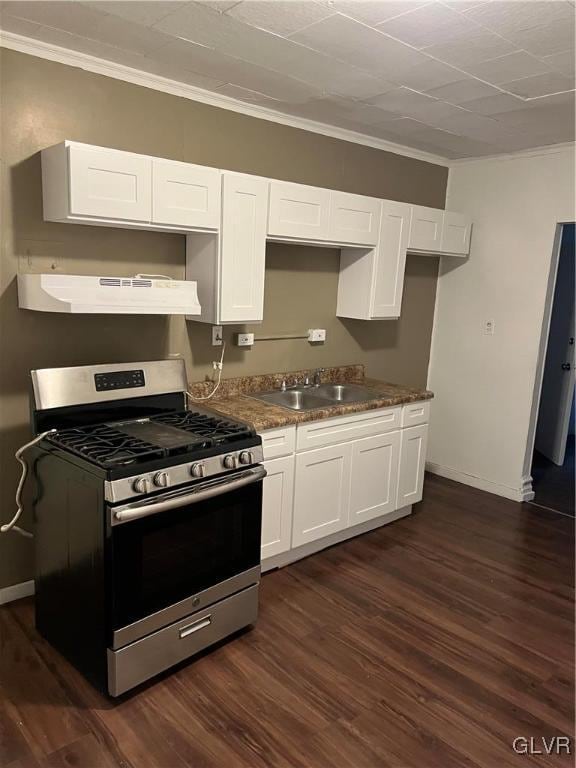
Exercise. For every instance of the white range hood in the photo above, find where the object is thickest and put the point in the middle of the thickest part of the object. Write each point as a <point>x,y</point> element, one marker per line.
<point>107,295</point>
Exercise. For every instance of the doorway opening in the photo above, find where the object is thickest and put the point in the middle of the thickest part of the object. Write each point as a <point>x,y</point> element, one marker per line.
<point>553,462</point>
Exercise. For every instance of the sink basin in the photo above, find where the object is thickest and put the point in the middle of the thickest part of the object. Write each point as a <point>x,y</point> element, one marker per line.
<point>323,396</point>
<point>295,399</point>
<point>345,393</point>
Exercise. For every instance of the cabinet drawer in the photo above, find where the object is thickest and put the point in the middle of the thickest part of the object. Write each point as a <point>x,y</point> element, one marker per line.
<point>278,442</point>
<point>354,218</point>
<point>185,195</point>
<point>342,428</point>
<point>298,211</point>
<point>145,658</point>
<point>416,413</point>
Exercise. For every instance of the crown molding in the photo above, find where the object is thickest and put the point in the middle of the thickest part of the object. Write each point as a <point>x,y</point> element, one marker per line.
<point>549,149</point>
<point>117,71</point>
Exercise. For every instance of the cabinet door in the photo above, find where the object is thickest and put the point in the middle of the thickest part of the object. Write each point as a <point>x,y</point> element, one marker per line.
<point>108,184</point>
<point>277,500</point>
<point>390,261</point>
<point>321,493</point>
<point>298,211</point>
<point>243,248</point>
<point>412,462</point>
<point>374,483</point>
<point>354,219</point>
<point>456,232</point>
<point>185,195</point>
<point>426,229</point>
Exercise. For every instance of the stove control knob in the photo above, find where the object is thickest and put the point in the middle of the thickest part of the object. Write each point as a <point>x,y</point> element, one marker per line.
<point>161,479</point>
<point>198,469</point>
<point>141,485</point>
<point>230,461</point>
<point>246,457</point>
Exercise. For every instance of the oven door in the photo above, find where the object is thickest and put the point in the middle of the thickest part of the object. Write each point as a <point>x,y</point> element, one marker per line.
<point>179,551</point>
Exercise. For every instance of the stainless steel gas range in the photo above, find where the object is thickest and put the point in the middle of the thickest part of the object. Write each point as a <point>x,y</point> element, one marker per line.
<point>147,520</point>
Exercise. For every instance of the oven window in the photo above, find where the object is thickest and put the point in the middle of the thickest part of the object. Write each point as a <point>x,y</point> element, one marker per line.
<point>162,559</point>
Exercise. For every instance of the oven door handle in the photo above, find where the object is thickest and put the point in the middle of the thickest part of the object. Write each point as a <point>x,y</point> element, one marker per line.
<point>193,495</point>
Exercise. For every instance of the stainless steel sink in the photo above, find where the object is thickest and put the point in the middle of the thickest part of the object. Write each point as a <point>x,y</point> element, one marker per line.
<point>322,396</point>
<point>295,399</point>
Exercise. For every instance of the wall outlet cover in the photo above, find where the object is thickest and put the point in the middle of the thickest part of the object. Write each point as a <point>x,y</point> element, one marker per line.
<point>245,339</point>
<point>316,334</point>
<point>216,335</point>
<point>489,327</point>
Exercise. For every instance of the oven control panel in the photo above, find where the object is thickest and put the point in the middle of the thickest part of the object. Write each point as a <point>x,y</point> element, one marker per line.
<point>119,380</point>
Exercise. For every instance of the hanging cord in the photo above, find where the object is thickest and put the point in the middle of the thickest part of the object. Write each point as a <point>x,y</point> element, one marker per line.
<point>220,366</point>
<point>11,526</point>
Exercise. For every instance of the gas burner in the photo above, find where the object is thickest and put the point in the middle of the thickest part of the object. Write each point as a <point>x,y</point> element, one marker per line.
<point>105,445</point>
<point>210,428</point>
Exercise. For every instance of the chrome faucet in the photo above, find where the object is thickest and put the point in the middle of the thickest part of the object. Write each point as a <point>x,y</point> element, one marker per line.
<point>317,378</point>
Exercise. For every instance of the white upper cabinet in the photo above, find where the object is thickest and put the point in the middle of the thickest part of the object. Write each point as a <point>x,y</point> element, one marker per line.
<point>371,282</point>
<point>243,245</point>
<point>456,231</point>
<point>298,212</point>
<point>185,195</point>
<point>426,229</point>
<point>354,218</point>
<point>91,183</point>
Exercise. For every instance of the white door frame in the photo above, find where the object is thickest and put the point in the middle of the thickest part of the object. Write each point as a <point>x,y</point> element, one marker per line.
<point>527,492</point>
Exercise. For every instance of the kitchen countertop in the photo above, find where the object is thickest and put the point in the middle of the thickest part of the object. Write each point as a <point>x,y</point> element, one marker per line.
<point>234,399</point>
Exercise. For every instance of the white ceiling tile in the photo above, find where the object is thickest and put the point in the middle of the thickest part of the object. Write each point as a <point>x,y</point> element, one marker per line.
<point>127,35</point>
<point>71,17</point>
<point>475,126</point>
<point>431,25</point>
<point>464,5</point>
<point>360,45</point>
<point>505,17</point>
<point>219,5</point>
<point>434,114</point>
<point>509,67</point>
<point>245,94</point>
<point>430,74</point>
<point>554,37</point>
<point>471,48</point>
<point>17,25</point>
<point>539,85</point>
<point>141,12</point>
<point>492,105</point>
<point>463,91</point>
<point>283,17</point>
<point>373,12</point>
<point>562,62</point>
<point>400,99</point>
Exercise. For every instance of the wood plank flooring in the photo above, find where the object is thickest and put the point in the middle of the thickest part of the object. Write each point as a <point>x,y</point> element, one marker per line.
<point>434,641</point>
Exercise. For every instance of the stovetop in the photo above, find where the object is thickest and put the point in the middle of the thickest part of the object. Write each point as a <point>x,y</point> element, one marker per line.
<point>136,441</point>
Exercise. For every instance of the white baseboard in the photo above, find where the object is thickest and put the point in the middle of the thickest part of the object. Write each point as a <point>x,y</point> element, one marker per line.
<point>16,592</point>
<point>524,493</point>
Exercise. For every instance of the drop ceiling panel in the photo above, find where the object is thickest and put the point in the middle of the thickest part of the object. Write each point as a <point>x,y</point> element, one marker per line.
<point>457,78</point>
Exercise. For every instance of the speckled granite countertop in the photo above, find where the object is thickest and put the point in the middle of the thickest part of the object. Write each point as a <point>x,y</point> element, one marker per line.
<point>233,397</point>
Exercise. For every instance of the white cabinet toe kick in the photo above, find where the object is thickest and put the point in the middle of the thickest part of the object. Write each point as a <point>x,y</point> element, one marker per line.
<point>332,479</point>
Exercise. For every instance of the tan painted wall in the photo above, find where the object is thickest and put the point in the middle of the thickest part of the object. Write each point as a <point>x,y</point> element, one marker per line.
<point>43,103</point>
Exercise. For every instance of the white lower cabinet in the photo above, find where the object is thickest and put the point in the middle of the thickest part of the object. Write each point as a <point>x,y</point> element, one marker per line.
<point>321,493</point>
<point>277,501</point>
<point>374,477</point>
<point>412,462</point>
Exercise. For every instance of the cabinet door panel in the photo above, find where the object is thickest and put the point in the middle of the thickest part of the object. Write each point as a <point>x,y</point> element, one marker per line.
<point>277,501</point>
<point>456,233</point>
<point>390,263</point>
<point>298,211</point>
<point>412,464</point>
<point>244,205</point>
<point>185,195</point>
<point>321,493</point>
<point>426,229</point>
<point>374,478</point>
<point>354,218</point>
<point>110,184</point>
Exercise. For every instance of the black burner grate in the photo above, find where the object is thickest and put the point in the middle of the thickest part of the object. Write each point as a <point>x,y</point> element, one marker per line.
<point>110,445</point>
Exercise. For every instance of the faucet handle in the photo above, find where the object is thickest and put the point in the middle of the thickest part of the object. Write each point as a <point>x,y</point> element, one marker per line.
<point>307,380</point>
<point>283,386</point>
<point>317,376</point>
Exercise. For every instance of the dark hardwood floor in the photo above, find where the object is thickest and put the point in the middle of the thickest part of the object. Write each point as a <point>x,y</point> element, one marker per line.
<point>434,641</point>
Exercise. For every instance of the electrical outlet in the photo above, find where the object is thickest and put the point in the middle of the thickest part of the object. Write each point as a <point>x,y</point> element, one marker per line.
<point>489,327</point>
<point>245,339</point>
<point>216,335</point>
<point>316,334</point>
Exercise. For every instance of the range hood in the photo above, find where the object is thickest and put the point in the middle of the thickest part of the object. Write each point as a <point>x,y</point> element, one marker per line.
<point>107,295</point>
